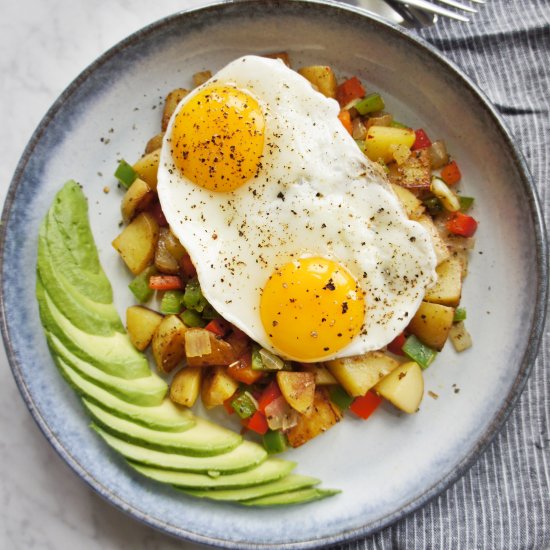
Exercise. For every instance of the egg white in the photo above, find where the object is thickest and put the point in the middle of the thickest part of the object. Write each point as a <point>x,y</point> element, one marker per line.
<point>316,194</point>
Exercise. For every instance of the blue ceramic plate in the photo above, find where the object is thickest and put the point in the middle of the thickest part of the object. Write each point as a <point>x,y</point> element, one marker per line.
<point>388,466</point>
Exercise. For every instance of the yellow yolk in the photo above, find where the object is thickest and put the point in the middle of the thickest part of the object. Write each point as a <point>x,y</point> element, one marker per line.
<point>218,138</point>
<point>311,308</point>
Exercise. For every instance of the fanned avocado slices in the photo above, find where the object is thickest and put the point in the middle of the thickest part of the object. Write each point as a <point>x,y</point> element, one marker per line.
<point>126,400</point>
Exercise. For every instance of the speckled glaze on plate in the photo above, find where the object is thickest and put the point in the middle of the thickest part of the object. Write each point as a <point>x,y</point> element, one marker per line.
<point>391,464</point>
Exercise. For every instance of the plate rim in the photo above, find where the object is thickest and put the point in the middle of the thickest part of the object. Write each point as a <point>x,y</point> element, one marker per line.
<point>525,365</point>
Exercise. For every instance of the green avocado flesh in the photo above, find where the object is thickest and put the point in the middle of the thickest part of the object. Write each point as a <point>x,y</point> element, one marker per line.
<point>146,391</point>
<point>291,482</point>
<point>203,439</point>
<point>269,470</point>
<point>243,457</point>
<point>125,399</point>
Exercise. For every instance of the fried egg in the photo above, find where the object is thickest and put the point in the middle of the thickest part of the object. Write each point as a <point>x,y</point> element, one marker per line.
<point>297,238</point>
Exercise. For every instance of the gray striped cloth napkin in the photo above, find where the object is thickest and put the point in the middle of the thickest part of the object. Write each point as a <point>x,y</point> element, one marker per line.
<point>503,501</point>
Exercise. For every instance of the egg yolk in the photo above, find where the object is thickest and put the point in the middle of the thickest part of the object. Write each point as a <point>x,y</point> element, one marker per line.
<point>311,308</point>
<point>218,138</point>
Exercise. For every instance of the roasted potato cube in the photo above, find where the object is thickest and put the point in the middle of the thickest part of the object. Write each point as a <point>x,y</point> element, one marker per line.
<point>403,387</point>
<point>217,387</point>
<point>169,343</point>
<point>380,139</point>
<point>136,199</point>
<point>448,287</point>
<point>298,388</point>
<point>137,242</point>
<point>147,167</point>
<point>141,323</point>
<point>359,374</point>
<point>414,173</point>
<point>440,248</point>
<point>154,143</point>
<point>170,104</point>
<point>205,349</point>
<point>411,204</point>
<point>283,56</point>
<point>201,77</point>
<point>186,385</point>
<point>322,416</point>
<point>323,377</point>
<point>164,261</point>
<point>432,323</point>
<point>322,77</point>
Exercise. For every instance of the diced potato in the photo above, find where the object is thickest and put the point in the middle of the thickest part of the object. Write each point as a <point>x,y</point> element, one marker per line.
<point>164,261</point>
<point>400,153</point>
<point>403,387</point>
<point>186,385</point>
<point>323,415</point>
<point>169,343</point>
<point>136,199</point>
<point>217,387</point>
<point>432,323</point>
<point>154,143</point>
<point>141,323</point>
<point>460,337</point>
<point>411,204</point>
<point>137,242</point>
<point>283,56</point>
<point>414,173</point>
<point>448,288</point>
<point>216,351</point>
<point>201,77</point>
<point>323,377</point>
<point>170,104</point>
<point>147,167</point>
<point>298,388</point>
<point>380,138</point>
<point>441,251</point>
<point>322,77</point>
<point>359,374</point>
<point>460,248</point>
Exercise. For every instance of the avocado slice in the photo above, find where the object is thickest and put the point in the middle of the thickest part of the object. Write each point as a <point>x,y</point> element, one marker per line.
<point>291,482</point>
<point>91,283</point>
<point>86,314</point>
<point>147,391</point>
<point>293,497</point>
<point>269,470</point>
<point>203,439</point>
<point>165,416</point>
<point>245,456</point>
<point>113,354</point>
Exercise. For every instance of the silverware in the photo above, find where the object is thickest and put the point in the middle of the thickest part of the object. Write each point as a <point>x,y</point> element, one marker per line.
<point>422,13</point>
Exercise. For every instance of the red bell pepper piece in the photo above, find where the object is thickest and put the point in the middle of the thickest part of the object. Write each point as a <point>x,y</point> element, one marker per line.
<point>365,405</point>
<point>450,173</point>
<point>228,407</point>
<point>156,211</point>
<point>422,140</point>
<point>396,345</point>
<point>187,267</point>
<point>218,326</point>
<point>165,282</point>
<point>258,423</point>
<point>461,224</point>
<point>349,90</point>
<point>241,370</point>
<point>271,393</point>
<point>345,118</point>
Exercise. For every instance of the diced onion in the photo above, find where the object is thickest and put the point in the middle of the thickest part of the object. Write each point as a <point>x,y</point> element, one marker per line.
<point>438,154</point>
<point>275,412</point>
<point>448,199</point>
<point>270,361</point>
<point>197,343</point>
<point>382,120</point>
<point>359,130</point>
<point>290,420</point>
<point>460,337</point>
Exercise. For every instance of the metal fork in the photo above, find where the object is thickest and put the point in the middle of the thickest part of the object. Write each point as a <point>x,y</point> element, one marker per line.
<point>421,13</point>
